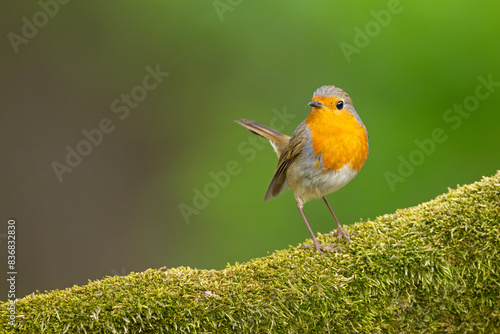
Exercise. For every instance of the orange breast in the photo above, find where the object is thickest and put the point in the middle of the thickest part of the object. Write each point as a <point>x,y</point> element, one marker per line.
<point>338,138</point>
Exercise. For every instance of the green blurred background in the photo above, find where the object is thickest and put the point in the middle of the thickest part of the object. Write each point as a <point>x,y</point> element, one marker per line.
<point>118,211</point>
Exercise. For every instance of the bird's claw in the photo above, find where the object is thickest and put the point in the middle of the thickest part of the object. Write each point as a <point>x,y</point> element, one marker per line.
<point>319,247</point>
<point>339,232</point>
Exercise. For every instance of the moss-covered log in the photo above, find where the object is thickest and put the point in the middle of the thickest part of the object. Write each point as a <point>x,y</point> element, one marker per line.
<point>430,268</point>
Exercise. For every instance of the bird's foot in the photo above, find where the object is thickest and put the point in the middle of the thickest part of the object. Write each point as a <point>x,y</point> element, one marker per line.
<point>341,233</point>
<point>319,247</point>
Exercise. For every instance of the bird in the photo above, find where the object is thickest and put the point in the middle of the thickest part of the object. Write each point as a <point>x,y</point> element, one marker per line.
<point>325,152</point>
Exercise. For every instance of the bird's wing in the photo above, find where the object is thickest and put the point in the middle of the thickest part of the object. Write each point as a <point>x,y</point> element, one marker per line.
<point>292,150</point>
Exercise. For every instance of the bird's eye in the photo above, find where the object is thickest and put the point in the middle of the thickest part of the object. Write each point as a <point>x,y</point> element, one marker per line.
<point>340,105</point>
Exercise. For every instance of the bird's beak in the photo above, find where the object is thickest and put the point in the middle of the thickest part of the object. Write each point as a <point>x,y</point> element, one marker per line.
<point>316,104</point>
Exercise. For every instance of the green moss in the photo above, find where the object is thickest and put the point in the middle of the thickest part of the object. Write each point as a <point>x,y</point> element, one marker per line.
<point>430,268</point>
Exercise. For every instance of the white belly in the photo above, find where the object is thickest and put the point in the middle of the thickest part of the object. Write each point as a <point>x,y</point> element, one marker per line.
<point>308,182</point>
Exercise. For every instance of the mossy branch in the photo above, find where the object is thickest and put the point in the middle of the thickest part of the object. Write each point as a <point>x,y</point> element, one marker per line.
<point>430,268</point>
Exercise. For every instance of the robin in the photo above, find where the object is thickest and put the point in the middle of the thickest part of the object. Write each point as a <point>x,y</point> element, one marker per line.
<point>324,153</point>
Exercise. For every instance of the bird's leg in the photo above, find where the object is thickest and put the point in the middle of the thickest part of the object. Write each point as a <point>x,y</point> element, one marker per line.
<point>340,231</point>
<point>316,244</point>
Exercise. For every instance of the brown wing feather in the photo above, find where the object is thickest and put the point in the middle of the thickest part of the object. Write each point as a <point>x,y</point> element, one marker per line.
<point>291,151</point>
<point>277,139</point>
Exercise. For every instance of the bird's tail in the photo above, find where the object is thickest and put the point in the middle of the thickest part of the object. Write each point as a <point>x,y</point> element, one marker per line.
<point>278,140</point>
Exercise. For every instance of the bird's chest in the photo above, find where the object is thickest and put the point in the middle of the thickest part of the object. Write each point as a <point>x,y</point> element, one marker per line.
<point>339,141</point>
<point>308,178</point>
